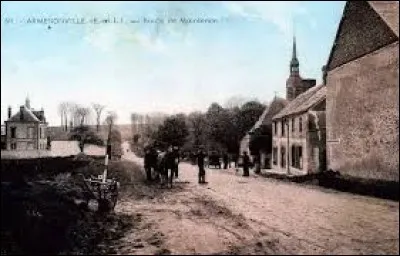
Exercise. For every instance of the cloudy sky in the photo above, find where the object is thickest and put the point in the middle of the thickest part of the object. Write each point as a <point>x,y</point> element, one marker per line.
<point>169,67</point>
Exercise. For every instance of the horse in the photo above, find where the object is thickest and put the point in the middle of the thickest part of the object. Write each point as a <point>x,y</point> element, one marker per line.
<point>163,170</point>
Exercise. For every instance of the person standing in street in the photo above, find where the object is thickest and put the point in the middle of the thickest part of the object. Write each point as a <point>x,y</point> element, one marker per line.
<point>257,163</point>
<point>175,153</point>
<point>225,158</point>
<point>200,164</point>
<point>246,164</point>
<point>147,164</point>
<point>170,164</point>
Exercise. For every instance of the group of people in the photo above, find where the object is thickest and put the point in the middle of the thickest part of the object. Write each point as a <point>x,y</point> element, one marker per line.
<point>165,164</point>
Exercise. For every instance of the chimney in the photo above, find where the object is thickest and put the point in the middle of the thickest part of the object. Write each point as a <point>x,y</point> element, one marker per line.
<point>324,73</point>
<point>9,112</point>
<point>21,109</point>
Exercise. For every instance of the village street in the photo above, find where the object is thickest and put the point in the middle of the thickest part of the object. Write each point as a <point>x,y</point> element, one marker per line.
<point>236,215</point>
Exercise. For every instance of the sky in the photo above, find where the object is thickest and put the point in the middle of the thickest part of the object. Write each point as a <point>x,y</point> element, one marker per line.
<point>138,66</point>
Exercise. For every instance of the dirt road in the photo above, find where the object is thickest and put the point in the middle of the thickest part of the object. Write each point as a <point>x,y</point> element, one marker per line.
<point>236,215</point>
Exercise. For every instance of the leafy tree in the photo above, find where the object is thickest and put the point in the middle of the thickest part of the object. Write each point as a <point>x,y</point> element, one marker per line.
<point>261,140</point>
<point>116,142</point>
<point>248,115</point>
<point>84,135</point>
<point>173,131</point>
<point>197,125</point>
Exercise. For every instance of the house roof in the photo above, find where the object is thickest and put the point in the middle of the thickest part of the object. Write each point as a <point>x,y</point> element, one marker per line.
<point>270,111</point>
<point>389,12</point>
<point>304,101</point>
<point>28,116</point>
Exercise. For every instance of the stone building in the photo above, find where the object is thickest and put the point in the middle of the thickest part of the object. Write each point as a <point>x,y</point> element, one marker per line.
<point>26,130</point>
<point>3,137</point>
<point>363,92</point>
<point>298,143</point>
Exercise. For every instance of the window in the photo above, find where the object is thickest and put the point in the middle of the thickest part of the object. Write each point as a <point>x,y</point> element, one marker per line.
<point>297,157</point>
<point>283,157</point>
<point>275,128</point>
<point>30,132</point>
<point>275,156</point>
<point>13,146</point>
<point>13,132</point>
<point>29,146</point>
<point>293,124</point>
<point>300,124</point>
<point>283,128</point>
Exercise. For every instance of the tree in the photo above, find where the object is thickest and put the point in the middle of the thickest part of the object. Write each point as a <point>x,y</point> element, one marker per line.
<point>72,110</point>
<point>98,109</point>
<point>110,121</point>
<point>62,110</point>
<point>261,140</point>
<point>248,115</point>
<point>173,131</point>
<point>116,143</point>
<point>111,118</point>
<point>84,135</point>
<point>197,125</point>
<point>221,129</point>
<point>234,101</point>
<point>82,113</point>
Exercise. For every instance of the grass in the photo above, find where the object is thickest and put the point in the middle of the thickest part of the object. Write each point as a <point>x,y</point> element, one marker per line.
<point>37,200</point>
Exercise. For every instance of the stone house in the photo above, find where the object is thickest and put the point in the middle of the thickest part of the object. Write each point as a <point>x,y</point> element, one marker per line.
<point>363,92</point>
<point>26,130</point>
<point>3,137</point>
<point>298,143</point>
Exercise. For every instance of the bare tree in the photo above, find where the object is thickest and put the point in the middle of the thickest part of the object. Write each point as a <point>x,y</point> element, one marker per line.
<point>98,108</point>
<point>72,108</point>
<point>62,110</point>
<point>111,118</point>
<point>61,113</point>
<point>82,113</point>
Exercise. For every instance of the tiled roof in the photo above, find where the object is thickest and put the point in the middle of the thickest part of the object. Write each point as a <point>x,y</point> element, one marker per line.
<point>304,101</point>
<point>28,116</point>
<point>389,12</point>
<point>271,110</point>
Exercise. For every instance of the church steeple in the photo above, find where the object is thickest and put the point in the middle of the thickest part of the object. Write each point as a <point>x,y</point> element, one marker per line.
<point>294,63</point>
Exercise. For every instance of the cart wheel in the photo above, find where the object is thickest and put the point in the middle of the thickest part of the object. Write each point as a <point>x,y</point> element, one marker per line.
<point>104,206</point>
<point>114,199</point>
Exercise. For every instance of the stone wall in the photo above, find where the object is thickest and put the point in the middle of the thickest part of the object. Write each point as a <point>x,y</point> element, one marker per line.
<point>363,116</point>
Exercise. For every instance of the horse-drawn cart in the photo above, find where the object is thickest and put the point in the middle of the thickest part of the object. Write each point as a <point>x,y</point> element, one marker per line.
<point>101,192</point>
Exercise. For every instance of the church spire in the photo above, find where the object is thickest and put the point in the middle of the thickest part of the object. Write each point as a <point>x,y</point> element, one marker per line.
<point>294,63</point>
<point>294,53</point>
